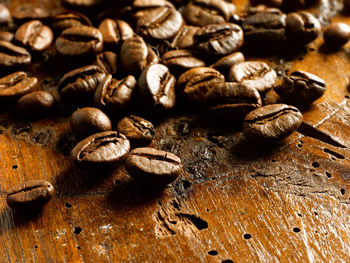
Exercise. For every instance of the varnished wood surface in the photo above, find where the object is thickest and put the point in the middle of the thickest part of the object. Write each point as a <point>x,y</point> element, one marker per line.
<point>234,201</point>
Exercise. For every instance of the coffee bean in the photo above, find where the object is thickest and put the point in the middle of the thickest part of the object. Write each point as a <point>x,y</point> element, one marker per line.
<point>254,74</point>
<point>272,123</point>
<point>184,37</point>
<point>78,4</point>
<point>194,84</point>
<point>87,121</point>
<point>157,87</point>
<point>135,56</point>
<point>142,7</point>
<point>273,3</point>
<point>101,150</point>
<point>79,41</point>
<point>114,32</point>
<point>139,131</point>
<point>219,39</point>
<point>80,84</point>
<point>5,15</point>
<point>6,36</point>
<point>224,64</point>
<point>34,35</point>
<point>301,88</point>
<point>16,85</point>
<point>26,12</point>
<point>108,61</point>
<point>179,61</point>
<point>205,12</point>
<point>30,194</point>
<point>152,166</point>
<point>69,19</point>
<point>35,104</point>
<point>302,27</point>
<point>232,101</point>
<point>113,94</point>
<point>12,56</point>
<point>336,35</point>
<point>160,23</point>
<point>264,29</point>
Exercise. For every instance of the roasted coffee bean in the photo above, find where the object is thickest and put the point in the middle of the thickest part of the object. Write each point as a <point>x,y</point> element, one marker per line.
<point>154,167</point>
<point>30,194</point>
<point>272,122</point>
<point>69,19</point>
<point>6,36</point>
<point>101,150</point>
<point>16,85</point>
<point>157,87</point>
<point>5,15</point>
<point>301,88</point>
<point>273,3</point>
<point>232,101</point>
<point>141,7</point>
<point>108,61</point>
<point>254,74</point>
<point>224,64</point>
<point>194,84</point>
<point>78,41</point>
<point>35,104</point>
<point>82,3</point>
<point>264,29</point>
<point>114,94</point>
<point>302,27</point>
<point>87,121</point>
<point>135,56</point>
<point>336,35</point>
<point>205,12</point>
<point>26,12</point>
<point>179,61</point>
<point>219,39</point>
<point>34,35</point>
<point>184,37</point>
<point>114,32</point>
<point>12,56</point>
<point>80,84</point>
<point>139,131</point>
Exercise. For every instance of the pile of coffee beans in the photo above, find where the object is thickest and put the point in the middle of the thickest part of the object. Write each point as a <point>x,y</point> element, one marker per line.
<point>156,56</point>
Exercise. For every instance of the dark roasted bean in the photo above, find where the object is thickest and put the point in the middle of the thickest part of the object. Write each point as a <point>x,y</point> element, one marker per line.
<point>184,37</point>
<point>114,32</point>
<point>115,94</point>
<point>301,88</point>
<point>30,194</point>
<point>157,87</point>
<point>272,122</point>
<point>34,35</point>
<point>254,74</point>
<point>178,61</point>
<point>69,19</point>
<point>80,84</point>
<point>78,41</point>
<point>11,55</point>
<point>108,61</point>
<point>87,121</point>
<point>205,12</point>
<point>35,104</point>
<point>16,85</point>
<point>101,150</point>
<point>194,84</point>
<point>232,101</point>
<point>336,35</point>
<point>5,15</point>
<point>302,27</point>
<point>154,167</point>
<point>224,64</point>
<point>219,39</point>
<point>139,131</point>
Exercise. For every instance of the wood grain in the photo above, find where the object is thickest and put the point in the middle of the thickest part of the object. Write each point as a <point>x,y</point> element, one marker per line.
<point>234,202</point>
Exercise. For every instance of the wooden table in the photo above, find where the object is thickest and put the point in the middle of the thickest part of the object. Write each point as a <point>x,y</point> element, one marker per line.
<point>234,202</point>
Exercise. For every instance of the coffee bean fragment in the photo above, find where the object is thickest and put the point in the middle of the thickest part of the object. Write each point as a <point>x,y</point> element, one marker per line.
<point>336,35</point>
<point>139,131</point>
<point>15,85</point>
<point>102,150</point>
<point>13,56</point>
<point>301,88</point>
<point>87,121</point>
<point>35,104</point>
<point>272,123</point>
<point>254,74</point>
<point>154,167</point>
<point>30,194</point>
